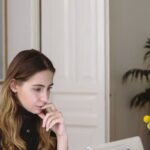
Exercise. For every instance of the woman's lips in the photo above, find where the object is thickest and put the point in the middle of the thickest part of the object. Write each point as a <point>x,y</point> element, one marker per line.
<point>39,108</point>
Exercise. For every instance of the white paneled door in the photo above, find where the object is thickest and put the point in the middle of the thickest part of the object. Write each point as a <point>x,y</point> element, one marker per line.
<point>73,38</point>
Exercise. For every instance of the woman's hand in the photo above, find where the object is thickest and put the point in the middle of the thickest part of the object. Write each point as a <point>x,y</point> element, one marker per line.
<point>53,120</point>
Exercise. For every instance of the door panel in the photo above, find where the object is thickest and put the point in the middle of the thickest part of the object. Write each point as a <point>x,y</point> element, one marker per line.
<point>73,38</point>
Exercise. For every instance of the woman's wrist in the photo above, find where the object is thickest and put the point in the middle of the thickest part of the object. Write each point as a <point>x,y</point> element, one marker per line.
<point>64,135</point>
<point>62,142</point>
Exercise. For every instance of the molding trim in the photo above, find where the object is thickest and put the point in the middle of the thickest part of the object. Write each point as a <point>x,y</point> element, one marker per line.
<point>5,37</point>
<point>35,24</point>
<point>107,70</point>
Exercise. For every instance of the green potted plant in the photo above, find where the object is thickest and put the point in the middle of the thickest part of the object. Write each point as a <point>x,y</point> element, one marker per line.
<point>140,99</point>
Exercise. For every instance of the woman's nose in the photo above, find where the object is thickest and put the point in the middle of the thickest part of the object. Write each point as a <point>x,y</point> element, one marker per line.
<point>44,97</point>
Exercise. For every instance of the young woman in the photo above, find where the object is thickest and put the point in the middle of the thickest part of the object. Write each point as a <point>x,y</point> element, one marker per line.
<point>28,119</point>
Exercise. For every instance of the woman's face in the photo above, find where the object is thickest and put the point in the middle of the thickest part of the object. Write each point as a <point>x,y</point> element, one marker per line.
<point>34,93</point>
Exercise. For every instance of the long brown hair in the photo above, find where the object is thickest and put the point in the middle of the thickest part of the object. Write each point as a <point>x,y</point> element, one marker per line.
<point>24,65</point>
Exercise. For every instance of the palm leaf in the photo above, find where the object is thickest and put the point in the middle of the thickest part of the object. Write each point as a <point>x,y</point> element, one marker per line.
<point>147,43</point>
<point>147,55</point>
<point>147,46</point>
<point>141,99</point>
<point>136,73</point>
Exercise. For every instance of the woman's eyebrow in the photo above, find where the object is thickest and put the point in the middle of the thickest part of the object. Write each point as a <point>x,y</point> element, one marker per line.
<point>51,84</point>
<point>41,85</point>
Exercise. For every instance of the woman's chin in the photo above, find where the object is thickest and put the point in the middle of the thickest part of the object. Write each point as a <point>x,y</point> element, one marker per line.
<point>37,111</point>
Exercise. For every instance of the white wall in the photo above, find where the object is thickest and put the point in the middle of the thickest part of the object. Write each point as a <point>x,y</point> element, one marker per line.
<point>129,29</point>
<point>23,27</point>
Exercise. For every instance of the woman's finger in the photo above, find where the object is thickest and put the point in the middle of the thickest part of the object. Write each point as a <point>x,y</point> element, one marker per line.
<point>54,122</point>
<point>49,122</point>
<point>47,116</point>
<point>41,115</point>
<point>50,107</point>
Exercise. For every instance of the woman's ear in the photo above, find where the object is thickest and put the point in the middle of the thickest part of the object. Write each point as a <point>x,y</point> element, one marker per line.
<point>13,85</point>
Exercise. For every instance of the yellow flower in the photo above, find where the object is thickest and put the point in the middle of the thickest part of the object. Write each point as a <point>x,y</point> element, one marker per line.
<point>146,119</point>
<point>148,125</point>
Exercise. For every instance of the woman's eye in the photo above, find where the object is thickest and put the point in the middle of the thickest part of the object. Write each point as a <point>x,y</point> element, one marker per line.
<point>37,90</point>
<point>49,88</point>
